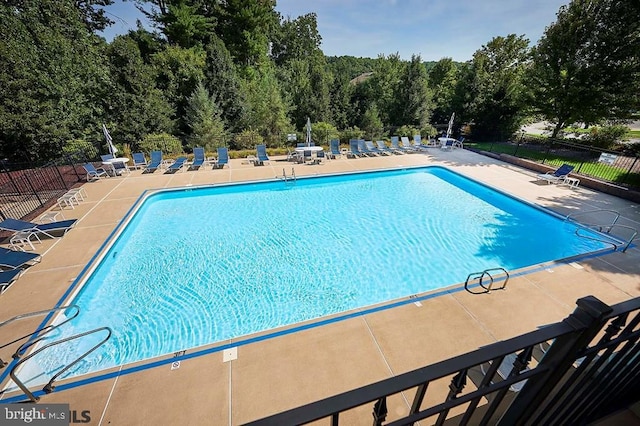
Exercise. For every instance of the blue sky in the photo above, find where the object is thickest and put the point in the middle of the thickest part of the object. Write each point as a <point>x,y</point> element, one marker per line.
<point>433,29</point>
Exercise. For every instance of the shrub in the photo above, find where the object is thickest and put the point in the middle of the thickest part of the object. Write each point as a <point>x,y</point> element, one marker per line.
<point>247,139</point>
<point>606,136</point>
<point>428,130</point>
<point>322,133</point>
<point>407,131</point>
<point>351,133</point>
<point>164,142</point>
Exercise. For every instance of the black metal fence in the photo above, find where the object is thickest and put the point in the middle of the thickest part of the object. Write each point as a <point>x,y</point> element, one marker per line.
<point>571,372</point>
<point>27,189</point>
<point>616,167</point>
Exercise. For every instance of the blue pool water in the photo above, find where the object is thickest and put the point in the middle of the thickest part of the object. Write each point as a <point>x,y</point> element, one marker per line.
<point>194,267</point>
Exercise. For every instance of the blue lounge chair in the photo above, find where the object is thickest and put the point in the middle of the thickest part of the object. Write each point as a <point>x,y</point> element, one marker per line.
<point>557,176</point>
<point>93,173</point>
<point>261,154</point>
<point>8,277</point>
<point>374,149</point>
<point>384,148</point>
<point>395,146</point>
<point>362,146</point>
<point>417,143</point>
<point>406,145</point>
<point>107,157</point>
<point>37,229</point>
<point>354,150</point>
<point>223,158</point>
<point>12,259</point>
<point>334,148</point>
<point>154,164</point>
<point>139,160</point>
<point>176,165</point>
<point>198,158</point>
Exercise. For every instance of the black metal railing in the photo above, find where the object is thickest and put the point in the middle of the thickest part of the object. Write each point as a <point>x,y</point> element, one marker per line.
<point>562,373</point>
<point>620,168</point>
<point>26,190</point>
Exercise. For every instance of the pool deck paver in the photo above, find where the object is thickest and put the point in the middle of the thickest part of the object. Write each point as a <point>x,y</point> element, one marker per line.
<point>280,373</point>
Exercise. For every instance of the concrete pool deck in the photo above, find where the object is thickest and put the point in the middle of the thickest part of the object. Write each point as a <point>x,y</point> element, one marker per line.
<point>293,369</point>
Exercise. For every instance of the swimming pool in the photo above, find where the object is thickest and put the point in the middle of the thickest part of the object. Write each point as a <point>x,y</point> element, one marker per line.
<point>199,266</point>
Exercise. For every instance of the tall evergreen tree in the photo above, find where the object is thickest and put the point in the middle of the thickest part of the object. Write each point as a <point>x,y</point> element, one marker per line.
<point>223,82</point>
<point>267,111</point>
<point>203,119</point>
<point>244,26</point>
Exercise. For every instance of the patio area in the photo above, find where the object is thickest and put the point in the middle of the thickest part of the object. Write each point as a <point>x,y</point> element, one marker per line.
<point>261,378</point>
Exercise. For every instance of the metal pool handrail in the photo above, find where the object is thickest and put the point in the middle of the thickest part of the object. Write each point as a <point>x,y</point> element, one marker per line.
<point>606,228</point>
<point>45,329</point>
<point>48,388</point>
<point>571,216</point>
<point>480,276</point>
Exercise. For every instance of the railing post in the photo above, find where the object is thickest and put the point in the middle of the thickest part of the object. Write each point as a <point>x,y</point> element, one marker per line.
<point>587,321</point>
<point>64,183</point>
<point>26,177</point>
<point>626,176</point>
<point>458,382</point>
<point>380,411</point>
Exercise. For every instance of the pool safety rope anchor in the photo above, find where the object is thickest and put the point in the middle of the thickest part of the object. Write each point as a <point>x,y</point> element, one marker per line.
<point>480,276</point>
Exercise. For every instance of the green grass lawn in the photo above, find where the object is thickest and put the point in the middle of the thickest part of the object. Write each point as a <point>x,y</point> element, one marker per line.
<point>592,168</point>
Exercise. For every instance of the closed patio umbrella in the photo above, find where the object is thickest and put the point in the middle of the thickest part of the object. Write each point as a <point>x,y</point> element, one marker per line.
<point>308,132</point>
<point>450,124</point>
<point>107,136</point>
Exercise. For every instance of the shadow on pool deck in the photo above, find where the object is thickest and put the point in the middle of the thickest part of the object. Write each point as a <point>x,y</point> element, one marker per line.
<point>281,373</point>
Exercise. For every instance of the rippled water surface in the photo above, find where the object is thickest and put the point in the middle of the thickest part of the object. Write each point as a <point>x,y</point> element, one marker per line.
<point>200,266</point>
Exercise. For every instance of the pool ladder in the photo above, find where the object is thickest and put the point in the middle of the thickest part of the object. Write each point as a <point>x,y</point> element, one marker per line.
<point>480,277</point>
<point>606,228</point>
<point>38,336</point>
<point>288,180</point>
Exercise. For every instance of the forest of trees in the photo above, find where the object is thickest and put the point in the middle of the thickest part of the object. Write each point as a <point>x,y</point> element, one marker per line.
<point>235,72</point>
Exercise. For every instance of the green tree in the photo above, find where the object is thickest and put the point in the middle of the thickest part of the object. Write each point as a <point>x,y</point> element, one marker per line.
<point>244,26</point>
<point>94,17</point>
<point>340,93</point>
<point>496,91</point>
<point>385,83</point>
<point>184,26</point>
<point>303,71</point>
<point>296,39</point>
<point>413,98</point>
<point>135,106</point>
<point>52,78</point>
<point>443,78</point>
<point>585,67</point>
<point>371,123</point>
<point>322,132</point>
<point>266,110</point>
<point>203,118</point>
<point>179,71</point>
<point>223,82</point>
